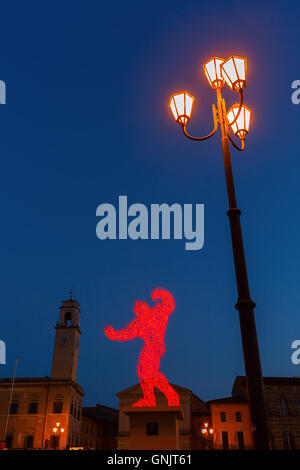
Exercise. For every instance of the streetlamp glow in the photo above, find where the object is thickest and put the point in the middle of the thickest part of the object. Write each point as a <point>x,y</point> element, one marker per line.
<point>212,70</point>
<point>234,72</point>
<point>239,121</point>
<point>181,105</point>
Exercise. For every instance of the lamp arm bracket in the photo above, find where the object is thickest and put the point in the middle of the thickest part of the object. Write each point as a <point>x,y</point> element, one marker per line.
<point>206,136</point>
<point>234,144</point>
<point>239,110</point>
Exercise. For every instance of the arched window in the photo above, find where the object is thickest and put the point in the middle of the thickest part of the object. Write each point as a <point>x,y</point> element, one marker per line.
<point>68,319</point>
<point>288,440</point>
<point>283,409</point>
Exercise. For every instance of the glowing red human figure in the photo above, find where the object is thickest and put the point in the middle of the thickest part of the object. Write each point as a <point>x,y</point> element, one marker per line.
<point>150,325</point>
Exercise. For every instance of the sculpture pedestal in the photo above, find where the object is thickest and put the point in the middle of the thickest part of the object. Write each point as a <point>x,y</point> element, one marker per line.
<point>154,427</point>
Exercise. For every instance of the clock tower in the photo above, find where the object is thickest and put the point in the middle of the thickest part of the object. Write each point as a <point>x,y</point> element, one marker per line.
<point>66,346</point>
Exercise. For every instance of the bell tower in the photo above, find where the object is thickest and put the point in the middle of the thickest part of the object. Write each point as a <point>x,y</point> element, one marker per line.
<point>66,346</point>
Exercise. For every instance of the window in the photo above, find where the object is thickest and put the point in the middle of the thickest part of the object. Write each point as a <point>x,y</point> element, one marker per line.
<point>33,407</point>
<point>298,407</point>
<point>283,407</point>
<point>9,442</point>
<point>223,416</point>
<point>238,416</point>
<point>225,441</point>
<point>240,439</point>
<point>28,443</point>
<point>68,319</point>
<point>288,440</point>
<point>14,407</point>
<point>271,441</point>
<point>152,429</point>
<point>58,406</point>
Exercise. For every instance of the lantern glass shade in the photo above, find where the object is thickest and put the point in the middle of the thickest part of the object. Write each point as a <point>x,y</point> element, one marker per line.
<point>241,126</point>
<point>181,105</point>
<point>212,70</point>
<point>234,72</point>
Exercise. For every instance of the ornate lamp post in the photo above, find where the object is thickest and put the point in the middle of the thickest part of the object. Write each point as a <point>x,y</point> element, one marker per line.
<point>207,433</point>
<point>237,120</point>
<point>58,431</point>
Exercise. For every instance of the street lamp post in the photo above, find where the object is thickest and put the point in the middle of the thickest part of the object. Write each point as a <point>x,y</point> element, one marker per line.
<point>207,433</point>
<point>237,120</point>
<point>58,431</point>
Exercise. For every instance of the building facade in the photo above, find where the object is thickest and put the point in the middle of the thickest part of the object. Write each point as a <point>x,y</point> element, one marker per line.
<point>39,412</point>
<point>283,409</point>
<point>231,423</point>
<point>99,427</point>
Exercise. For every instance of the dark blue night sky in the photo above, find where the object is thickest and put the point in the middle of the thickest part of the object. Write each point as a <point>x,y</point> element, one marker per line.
<point>87,120</point>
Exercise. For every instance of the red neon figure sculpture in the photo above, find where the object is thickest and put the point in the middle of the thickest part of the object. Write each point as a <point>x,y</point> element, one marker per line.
<point>150,325</point>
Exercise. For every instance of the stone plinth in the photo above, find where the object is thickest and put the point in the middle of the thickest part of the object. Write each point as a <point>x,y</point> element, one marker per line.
<point>154,427</point>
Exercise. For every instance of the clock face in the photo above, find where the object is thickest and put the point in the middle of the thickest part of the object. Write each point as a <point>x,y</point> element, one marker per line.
<point>64,341</point>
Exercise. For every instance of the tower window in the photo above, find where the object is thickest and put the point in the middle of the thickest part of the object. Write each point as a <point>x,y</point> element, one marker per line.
<point>68,319</point>
<point>238,416</point>
<point>152,429</point>
<point>223,416</point>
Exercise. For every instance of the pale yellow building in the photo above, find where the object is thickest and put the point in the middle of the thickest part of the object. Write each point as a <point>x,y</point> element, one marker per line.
<point>47,409</point>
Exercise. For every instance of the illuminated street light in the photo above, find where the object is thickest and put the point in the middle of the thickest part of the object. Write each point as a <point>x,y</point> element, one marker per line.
<point>234,72</point>
<point>212,70</point>
<point>207,433</point>
<point>237,120</point>
<point>181,105</point>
